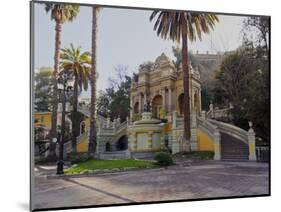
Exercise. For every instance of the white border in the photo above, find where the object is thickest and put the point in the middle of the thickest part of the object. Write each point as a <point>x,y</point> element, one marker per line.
<point>14,107</point>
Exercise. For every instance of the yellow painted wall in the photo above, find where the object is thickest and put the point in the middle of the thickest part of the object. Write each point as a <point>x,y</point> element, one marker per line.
<point>168,127</point>
<point>83,145</point>
<point>87,122</point>
<point>43,119</point>
<point>205,143</point>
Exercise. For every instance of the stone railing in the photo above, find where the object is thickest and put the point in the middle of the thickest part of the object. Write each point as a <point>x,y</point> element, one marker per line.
<point>263,153</point>
<point>206,126</point>
<point>216,113</point>
<point>231,130</point>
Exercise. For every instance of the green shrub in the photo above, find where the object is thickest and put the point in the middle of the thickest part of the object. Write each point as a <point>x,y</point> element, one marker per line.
<point>77,157</point>
<point>163,159</point>
<point>202,155</point>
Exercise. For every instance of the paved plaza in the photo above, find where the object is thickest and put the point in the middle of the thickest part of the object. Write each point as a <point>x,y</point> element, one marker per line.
<point>188,180</point>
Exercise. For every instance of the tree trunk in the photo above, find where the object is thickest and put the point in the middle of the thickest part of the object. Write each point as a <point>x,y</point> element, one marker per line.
<point>186,86</point>
<point>74,116</point>
<point>93,133</point>
<point>55,89</point>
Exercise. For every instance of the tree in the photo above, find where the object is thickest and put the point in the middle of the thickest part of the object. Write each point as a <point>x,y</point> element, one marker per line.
<point>78,64</point>
<point>181,26</point>
<point>42,89</point>
<point>241,81</point>
<point>115,100</point>
<point>178,55</point>
<point>256,29</point>
<point>60,13</point>
<point>93,133</point>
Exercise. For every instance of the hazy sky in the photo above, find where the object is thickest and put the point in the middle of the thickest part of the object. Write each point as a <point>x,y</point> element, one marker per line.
<point>125,37</point>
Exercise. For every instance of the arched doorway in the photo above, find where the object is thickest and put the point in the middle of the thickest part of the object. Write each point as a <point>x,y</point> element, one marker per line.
<point>107,147</point>
<point>157,104</point>
<point>196,103</point>
<point>180,103</point>
<point>82,127</point>
<point>136,108</point>
<point>122,143</point>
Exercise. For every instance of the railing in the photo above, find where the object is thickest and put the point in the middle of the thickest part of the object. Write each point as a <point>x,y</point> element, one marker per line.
<point>218,113</point>
<point>207,127</point>
<point>262,153</point>
<point>231,130</point>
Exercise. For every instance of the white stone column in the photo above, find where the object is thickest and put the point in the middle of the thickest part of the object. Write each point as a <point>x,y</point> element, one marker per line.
<point>252,143</point>
<point>174,120</point>
<point>217,145</point>
<point>132,108</point>
<point>140,104</point>
<point>170,100</point>
<point>199,101</point>
<point>144,98</point>
<point>163,92</point>
<point>193,138</point>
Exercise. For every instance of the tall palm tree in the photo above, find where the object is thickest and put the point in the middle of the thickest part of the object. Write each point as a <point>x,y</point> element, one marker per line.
<point>60,13</point>
<point>181,26</point>
<point>79,64</point>
<point>93,132</point>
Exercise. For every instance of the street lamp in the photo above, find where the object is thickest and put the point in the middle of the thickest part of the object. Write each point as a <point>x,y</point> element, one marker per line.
<point>63,78</point>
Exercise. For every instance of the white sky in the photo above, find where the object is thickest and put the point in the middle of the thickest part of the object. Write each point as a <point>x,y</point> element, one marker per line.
<point>125,37</point>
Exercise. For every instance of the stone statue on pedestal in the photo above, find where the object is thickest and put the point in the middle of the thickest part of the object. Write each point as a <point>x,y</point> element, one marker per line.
<point>147,107</point>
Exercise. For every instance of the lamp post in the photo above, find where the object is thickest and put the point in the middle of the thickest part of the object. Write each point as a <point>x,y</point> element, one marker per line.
<point>61,135</point>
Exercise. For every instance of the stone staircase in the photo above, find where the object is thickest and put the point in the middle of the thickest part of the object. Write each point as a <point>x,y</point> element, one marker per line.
<point>114,155</point>
<point>233,149</point>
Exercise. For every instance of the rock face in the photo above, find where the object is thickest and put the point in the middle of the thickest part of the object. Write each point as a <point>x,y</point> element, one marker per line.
<point>146,136</point>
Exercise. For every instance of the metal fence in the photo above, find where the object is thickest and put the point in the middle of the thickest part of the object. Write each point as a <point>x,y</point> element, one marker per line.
<point>262,153</point>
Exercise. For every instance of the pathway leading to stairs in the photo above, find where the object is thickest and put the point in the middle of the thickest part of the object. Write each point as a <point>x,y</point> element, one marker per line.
<point>188,180</point>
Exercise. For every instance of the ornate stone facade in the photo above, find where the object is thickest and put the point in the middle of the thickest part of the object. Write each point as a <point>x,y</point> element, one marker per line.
<point>162,85</point>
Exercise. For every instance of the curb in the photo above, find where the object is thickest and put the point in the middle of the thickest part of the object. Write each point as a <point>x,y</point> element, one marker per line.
<point>101,173</point>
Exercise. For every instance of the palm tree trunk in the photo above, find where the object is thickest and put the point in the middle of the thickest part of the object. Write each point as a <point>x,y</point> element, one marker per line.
<point>93,133</point>
<point>55,89</point>
<point>186,86</point>
<point>74,116</point>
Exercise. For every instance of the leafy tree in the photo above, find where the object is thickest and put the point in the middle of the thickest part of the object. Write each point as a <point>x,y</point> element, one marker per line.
<point>78,65</point>
<point>256,30</point>
<point>146,65</point>
<point>178,55</point>
<point>42,89</point>
<point>181,26</point>
<point>115,100</point>
<point>60,13</point>
<point>241,81</point>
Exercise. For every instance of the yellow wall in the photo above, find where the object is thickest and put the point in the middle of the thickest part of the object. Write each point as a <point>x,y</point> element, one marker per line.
<point>43,119</point>
<point>205,143</point>
<point>168,127</point>
<point>83,145</point>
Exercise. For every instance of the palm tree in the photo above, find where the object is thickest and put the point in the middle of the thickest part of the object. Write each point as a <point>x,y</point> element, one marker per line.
<point>181,26</point>
<point>79,64</point>
<point>93,133</point>
<point>60,13</point>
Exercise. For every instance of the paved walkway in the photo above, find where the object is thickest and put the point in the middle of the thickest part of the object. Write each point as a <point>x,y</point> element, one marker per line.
<point>189,180</point>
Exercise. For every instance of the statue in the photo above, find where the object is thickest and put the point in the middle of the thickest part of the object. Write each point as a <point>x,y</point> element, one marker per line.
<point>147,107</point>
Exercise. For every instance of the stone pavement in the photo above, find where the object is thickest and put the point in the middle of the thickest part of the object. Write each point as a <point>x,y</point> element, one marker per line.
<point>188,180</point>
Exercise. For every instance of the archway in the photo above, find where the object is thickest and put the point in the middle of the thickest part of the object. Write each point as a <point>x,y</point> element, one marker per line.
<point>157,104</point>
<point>180,103</point>
<point>196,103</point>
<point>122,143</point>
<point>107,147</point>
<point>136,108</point>
<point>82,127</point>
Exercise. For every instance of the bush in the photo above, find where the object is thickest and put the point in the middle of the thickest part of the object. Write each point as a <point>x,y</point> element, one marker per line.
<point>163,159</point>
<point>77,157</point>
<point>202,155</point>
